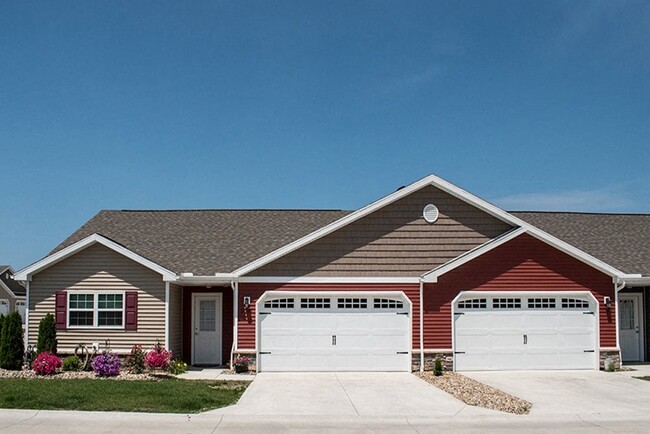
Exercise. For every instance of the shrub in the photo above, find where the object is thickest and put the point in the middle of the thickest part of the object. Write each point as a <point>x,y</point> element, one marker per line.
<point>46,335</point>
<point>437,367</point>
<point>2,318</point>
<point>158,358</point>
<point>11,342</point>
<point>177,367</point>
<point>46,363</point>
<point>106,364</point>
<point>72,363</point>
<point>241,364</point>
<point>135,361</point>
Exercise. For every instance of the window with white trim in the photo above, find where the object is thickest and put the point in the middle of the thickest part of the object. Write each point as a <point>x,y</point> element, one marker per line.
<point>506,303</point>
<point>4,307</point>
<point>387,303</point>
<point>279,303</point>
<point>574,303</point>
<point>314,303</point>
<point>352,303</point>
<point>473,303</point>
<point>96,310</point>
<point>541,303</point>
<point>20,308</point>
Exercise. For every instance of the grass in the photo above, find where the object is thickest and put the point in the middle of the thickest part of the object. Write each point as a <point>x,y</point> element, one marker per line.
<point>166,396</point>
<point>647,378</point>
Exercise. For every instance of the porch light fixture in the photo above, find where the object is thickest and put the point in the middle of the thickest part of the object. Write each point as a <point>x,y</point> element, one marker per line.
<point>247,302</point>
<point>608,302</point>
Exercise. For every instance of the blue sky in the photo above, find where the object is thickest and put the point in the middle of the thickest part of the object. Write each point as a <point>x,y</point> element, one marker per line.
<point>301,104</point>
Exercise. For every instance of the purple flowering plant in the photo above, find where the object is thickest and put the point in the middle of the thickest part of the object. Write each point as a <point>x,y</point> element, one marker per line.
<point>106,364</point>
<point>46,363</point>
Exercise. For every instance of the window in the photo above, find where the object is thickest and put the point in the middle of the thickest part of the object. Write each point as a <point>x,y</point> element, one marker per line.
<point>314,303</point>
<point>541,303</point>
<point>20,308</point>
<point>352,303</point>
<point>506,303</point>
<point>96,310</point>
<point>386,303</point>
<point>574,303</point>
<point>279,303</point>
<point>474,303</point>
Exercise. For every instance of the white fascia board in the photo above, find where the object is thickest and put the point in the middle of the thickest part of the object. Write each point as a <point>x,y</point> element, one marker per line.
<point>432,276</point>
<point>634,280</point>
<point>289,279</point>
<point>454,191</point>
<point>224,279</point>
<point>26,273</point>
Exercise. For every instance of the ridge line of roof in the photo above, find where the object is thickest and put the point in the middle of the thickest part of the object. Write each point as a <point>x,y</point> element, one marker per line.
<point>225,210</point>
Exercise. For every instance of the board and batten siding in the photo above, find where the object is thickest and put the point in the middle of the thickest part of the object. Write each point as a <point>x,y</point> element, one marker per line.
<point>176,319</point>
<point>393,241</point>
<point>522,264</point>
<point>100,268</point>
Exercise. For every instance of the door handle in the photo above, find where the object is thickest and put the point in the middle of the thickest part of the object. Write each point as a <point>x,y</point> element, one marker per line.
<point>333,339</point>
<point>525,339</point>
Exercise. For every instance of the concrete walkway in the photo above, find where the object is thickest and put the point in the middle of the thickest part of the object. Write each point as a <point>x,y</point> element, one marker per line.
<point>195,373</point>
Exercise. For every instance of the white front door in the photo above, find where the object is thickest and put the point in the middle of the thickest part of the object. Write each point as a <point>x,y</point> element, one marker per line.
<point>630,327</point>
<point>207,329</point>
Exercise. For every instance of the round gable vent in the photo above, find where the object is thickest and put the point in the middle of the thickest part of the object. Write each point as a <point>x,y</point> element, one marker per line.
<point>430,213</point>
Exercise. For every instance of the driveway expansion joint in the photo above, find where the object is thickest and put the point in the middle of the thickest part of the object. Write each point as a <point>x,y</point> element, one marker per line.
<point>347,394</point>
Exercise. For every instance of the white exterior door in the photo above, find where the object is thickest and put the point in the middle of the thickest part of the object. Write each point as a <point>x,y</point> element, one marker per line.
<point>207,329</point>
<point>334,333</point>
<point>629,308</point>
<point>508,332</point>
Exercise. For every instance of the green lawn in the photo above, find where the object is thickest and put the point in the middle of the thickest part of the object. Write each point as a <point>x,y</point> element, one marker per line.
<point>166,396</point>
<point>643,378</point>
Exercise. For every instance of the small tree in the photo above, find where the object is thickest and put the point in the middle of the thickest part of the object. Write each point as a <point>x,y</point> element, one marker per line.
<point>47,335</point>
<point>2,318</point>
<point>11,342</point>
<point>437,367</point>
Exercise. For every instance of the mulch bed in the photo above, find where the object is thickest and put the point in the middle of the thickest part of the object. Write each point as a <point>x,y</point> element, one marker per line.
<point>472,392</point>
<point>28,374</point>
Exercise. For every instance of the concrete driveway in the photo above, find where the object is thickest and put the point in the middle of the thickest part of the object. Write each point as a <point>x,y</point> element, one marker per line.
<point>573,392</point>
<point>346,394</point>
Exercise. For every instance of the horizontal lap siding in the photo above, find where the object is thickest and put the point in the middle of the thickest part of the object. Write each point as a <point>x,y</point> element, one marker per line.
<point>523,264</point>
<point>393,241</point>
<point>246,324</point>
<point>175,319</point>
<point>99,268</point>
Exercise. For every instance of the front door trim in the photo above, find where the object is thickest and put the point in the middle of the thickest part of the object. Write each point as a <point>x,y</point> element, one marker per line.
<point>217,296</point>
<point>639,312</point>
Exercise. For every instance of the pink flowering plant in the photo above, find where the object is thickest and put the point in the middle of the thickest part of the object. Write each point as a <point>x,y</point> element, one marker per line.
<point>106,364</point>
<point>46,363</point>
<point>158,357</point>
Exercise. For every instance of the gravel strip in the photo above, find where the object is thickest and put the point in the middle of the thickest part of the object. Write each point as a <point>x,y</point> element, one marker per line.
<point>478,394</point>
<point>27,374</point>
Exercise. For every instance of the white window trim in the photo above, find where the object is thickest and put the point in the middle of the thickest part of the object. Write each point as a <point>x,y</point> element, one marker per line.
<point>95,310</point>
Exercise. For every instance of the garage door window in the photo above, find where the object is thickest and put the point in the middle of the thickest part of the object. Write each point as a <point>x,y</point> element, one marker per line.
<point>474,303</point>
<point>352,303</point>
<point>279,303</point>
<point>314,303</point>
<point>574,303</point>
<point>541,303</point>
<point>386,303</point>
<point>506,303</point>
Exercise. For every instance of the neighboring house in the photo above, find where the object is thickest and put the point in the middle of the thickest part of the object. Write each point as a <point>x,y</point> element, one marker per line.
<point>12,293</point>
<point>427,271</point>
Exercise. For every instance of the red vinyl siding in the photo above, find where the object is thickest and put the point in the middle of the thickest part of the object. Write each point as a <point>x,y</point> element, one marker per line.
<point>246,326</point>
<point>227,320</point>
<point>523,264</point>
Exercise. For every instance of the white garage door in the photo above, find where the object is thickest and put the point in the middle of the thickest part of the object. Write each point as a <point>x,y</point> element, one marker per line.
<point>334,333</point>
<point>536,331</point>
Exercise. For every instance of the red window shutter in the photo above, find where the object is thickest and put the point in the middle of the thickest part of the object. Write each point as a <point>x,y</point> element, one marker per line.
<point>61,310</point>
<point>131,310</point>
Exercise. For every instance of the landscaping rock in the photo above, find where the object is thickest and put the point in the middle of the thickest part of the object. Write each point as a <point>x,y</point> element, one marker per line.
<point>472,392</point>
<point>29,374</point>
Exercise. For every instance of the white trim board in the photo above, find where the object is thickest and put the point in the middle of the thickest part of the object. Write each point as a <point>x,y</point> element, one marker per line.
<point>26,273</point>
<point>448,188</point>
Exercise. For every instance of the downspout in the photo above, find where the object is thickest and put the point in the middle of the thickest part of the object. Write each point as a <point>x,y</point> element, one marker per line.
<point>167,315</point>
<point>235,316</point>
<point>27,313</point>
<point>616,319</point>
<point>421,324</point>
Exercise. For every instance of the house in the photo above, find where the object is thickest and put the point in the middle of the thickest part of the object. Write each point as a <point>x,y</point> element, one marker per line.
<point>427,271</point>
<point>12,293</point>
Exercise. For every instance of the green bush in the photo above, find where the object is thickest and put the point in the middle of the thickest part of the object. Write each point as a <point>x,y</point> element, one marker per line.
<point>72,363</point>
<point>437,367</point>
<point>47,335</point>
<point>11,342</point>
<point>135,360</point>
<point>177,367</point>
<point>2,318</point>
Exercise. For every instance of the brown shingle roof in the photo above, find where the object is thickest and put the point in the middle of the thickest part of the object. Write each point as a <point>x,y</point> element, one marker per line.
<point>620,240</point>
<point>16,288</point>
<point>204,242</point>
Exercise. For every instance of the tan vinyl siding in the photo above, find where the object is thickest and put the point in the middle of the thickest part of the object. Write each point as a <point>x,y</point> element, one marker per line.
<point>176,320</point>
<point>393,241</point>
<point>99,268</point>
